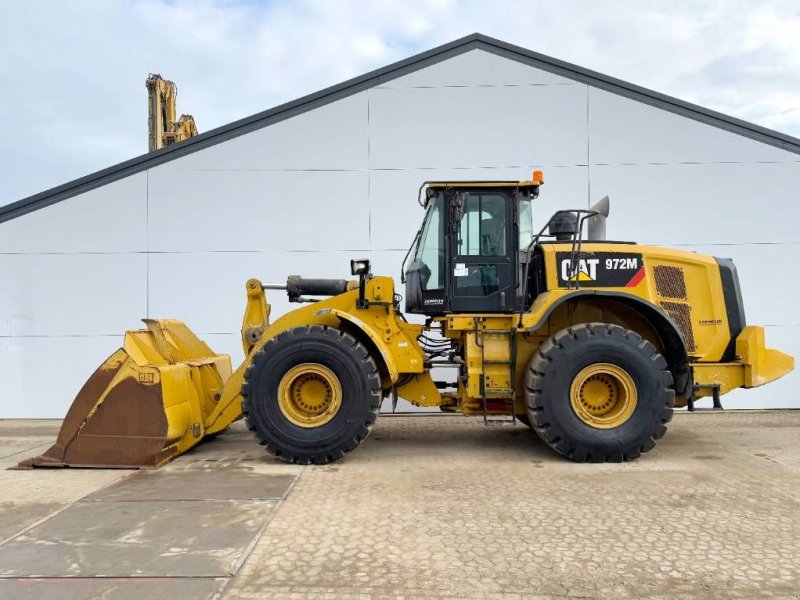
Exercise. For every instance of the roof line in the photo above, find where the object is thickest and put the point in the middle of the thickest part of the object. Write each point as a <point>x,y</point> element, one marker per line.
<point>382,75</point>
<point>642,94</point>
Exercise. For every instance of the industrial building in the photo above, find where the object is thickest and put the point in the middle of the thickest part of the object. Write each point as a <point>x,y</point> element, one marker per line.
<point>305,186</point>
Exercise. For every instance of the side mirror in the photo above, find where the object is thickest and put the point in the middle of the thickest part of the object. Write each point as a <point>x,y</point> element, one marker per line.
<point>459,202</point>
<point>596,224</point>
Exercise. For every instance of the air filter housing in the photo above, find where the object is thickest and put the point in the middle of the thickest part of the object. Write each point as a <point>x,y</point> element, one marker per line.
<point>563,225</point>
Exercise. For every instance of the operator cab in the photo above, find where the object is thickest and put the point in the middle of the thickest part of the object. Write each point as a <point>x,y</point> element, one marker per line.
<point>470,252</point>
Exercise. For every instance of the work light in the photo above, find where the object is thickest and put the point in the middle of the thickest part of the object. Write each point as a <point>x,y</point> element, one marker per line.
<point>359,266</point>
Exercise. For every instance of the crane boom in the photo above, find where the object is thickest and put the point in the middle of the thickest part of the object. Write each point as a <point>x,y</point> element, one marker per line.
<point>163,128</point>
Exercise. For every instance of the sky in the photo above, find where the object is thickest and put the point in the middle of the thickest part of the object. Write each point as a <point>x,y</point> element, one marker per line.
<point>73,97</point>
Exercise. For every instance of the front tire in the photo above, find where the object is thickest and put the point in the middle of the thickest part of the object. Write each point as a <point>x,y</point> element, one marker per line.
<point>311,394</point>
<point>597,392</point>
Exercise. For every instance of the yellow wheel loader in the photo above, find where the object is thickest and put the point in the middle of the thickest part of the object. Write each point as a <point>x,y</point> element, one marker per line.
<point>591,343</point>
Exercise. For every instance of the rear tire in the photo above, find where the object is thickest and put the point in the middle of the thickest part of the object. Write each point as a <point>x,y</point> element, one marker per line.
<point>598,392</point>
<point>336,411</point>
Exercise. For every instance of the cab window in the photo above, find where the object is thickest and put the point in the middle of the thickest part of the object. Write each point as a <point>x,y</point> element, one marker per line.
<point>482,228</point>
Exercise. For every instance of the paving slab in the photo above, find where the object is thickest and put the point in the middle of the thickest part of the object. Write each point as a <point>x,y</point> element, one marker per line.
<point>11,448</point>
<point>22,439</point>
<point>15,517</point>
<point>143,538</point>
<point>53,485</point>
<point>110,589</point>
<point>235,448</point>
<point>221,484</point>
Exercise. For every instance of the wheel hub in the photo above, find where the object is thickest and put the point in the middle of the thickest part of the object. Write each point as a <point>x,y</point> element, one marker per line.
<point>309,395</point>
<point>603,395</point>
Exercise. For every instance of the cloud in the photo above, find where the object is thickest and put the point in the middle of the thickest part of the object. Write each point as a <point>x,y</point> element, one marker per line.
<point>74,97</point>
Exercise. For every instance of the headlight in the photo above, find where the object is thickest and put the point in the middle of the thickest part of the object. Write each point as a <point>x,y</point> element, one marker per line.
<point>359,266</point>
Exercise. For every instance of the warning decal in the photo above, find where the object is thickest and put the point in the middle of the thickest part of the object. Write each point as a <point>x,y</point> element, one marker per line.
<point>600,269</point>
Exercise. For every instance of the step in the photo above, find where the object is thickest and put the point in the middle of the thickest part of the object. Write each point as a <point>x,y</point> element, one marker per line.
<point>501,392</point>
<point>499,421</point>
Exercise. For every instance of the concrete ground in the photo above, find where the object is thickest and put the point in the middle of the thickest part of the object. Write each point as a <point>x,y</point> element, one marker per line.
<point>434,506</point>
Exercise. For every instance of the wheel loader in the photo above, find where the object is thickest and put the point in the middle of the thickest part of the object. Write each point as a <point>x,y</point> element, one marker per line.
<point>591,343</point>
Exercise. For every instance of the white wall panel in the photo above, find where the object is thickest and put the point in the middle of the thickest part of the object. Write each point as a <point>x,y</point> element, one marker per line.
<point>478,126</point>
<point>111,218</point>
<point>387,263</point>
<point>477,67</point>
<point>41,376</point>
<point>258,210</point>
<point>207,290</point>
<point>333,136</point>
<point>700,204</point>
<point>71,294</point>
<point>626,131</point>
<point>396,215</point>
<point>763,269</point>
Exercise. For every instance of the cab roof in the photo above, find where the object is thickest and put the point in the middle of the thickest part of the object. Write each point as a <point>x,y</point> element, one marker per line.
<point>482,184</point>
<point>426,189</point>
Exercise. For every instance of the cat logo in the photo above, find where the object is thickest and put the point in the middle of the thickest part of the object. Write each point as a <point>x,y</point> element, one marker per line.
<point>585,269</point>
<point>600,269</point>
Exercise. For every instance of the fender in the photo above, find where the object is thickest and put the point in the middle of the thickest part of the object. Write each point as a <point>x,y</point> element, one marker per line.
<point>377,341</point>
<point>664,326</point>
<point>229,408</point>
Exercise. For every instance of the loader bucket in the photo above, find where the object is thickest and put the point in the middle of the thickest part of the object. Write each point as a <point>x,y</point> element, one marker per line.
<point>145,405</point>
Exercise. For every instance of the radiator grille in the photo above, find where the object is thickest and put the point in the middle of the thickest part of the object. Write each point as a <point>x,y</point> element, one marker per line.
<point>682,315</point>
<point>670,282</point>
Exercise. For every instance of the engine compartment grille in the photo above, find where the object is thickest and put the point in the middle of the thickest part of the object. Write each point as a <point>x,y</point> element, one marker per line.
<point>682,315</point>
<point>670,282</point>
<point>673,298</point>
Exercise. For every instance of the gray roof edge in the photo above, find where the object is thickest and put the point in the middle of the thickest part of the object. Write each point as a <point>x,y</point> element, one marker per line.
<point>382,75</point>
<point>641,94</point>
<point>237,128</point>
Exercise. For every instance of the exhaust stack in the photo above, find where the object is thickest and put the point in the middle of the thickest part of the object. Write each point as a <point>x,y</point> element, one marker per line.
<point>597,223</point>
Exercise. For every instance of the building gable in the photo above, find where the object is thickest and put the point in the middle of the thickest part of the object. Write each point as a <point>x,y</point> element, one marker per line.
<point>414,71</point>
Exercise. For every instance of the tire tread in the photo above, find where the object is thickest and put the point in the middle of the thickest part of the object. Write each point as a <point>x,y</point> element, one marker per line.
<point>367,366</point>
<point>537,404</point>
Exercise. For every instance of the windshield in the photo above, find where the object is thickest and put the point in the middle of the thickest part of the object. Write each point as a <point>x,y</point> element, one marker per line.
<point>430,250</point>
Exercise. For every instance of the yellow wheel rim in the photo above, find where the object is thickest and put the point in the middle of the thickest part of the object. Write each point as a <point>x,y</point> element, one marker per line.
<point>309,395</point>
<point>603,396</point>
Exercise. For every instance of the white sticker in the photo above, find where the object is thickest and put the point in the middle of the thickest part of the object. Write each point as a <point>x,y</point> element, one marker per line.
<point>460,270</point>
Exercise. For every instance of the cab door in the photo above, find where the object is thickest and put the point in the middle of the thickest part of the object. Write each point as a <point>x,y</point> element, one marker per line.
<point>481,273</point>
